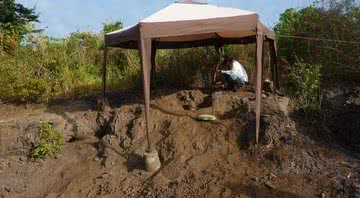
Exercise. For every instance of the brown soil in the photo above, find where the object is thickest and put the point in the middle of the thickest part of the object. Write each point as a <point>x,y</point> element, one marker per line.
<point>103,154</point>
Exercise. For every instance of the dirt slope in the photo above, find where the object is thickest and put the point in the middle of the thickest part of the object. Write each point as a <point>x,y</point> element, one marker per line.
<point>103,153</point>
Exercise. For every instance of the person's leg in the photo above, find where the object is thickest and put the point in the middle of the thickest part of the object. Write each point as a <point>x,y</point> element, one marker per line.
<point>238,85</point>
<point>229,81</point>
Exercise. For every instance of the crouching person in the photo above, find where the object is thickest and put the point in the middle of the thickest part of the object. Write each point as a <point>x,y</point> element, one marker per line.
<point>234,74</point>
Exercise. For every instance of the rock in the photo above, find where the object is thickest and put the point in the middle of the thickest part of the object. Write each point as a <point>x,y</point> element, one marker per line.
<point>192,100</point>
<point>270,185</point>
<point>268,86</point>
<point>103,105</point>
<point>22,158</point>
<point>283,105</point>
<point>272,176</point>
<point>256,179</point>
<point>110,139</point>
<point>323,195</point>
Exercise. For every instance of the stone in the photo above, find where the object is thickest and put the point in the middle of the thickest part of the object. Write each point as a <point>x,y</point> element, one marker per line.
<point>103,105</point>
<point>268,86</point>
<point>270,185</point>
<point>283,105</point>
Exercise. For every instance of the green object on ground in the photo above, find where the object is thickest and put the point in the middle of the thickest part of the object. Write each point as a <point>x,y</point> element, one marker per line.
<point>206,117</point>
<point>51,142</point>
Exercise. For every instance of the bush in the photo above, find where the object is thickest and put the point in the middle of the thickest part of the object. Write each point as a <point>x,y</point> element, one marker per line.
<point>21,82</point>
<point>331,21</point>
<point>304,87</point>
<point>51,142</point>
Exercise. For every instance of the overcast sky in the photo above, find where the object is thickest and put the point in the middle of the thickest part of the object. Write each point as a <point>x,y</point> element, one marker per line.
<point>61,17</point>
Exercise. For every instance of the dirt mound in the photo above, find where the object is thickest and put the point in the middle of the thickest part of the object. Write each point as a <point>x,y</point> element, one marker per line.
<point>103,156</point>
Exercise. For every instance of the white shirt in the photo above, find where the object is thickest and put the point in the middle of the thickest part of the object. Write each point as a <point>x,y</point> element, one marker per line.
<point>238,70</point>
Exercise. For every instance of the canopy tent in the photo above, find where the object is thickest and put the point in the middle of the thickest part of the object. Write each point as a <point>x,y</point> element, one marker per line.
<point>185,25</point>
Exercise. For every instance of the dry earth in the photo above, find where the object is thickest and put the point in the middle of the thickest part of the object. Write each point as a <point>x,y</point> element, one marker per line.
<point>103,153</point>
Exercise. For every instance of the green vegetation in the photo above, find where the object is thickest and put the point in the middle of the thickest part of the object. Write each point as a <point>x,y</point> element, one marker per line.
<point>332,20</point>
<point>51,142</point>
<point>42,67</point>
<point>112,26</point>
<point>325,58</point>
<point>15,22</point>
<point>304,87</point>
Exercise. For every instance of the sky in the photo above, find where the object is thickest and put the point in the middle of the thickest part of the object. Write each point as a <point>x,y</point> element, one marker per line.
<point>61,17</point>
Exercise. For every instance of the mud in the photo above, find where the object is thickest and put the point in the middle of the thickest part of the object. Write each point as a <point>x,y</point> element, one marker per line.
<point>103,154</point>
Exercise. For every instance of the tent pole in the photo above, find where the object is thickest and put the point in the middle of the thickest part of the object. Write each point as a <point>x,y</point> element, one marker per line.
<point>151,156</point>
<point>276,67</point>
<point>273,63</point>
<point>104,73</point>
<point>259,66</point>
<point>153,67</point>
<point>220,51</point>
<point>145,51</point>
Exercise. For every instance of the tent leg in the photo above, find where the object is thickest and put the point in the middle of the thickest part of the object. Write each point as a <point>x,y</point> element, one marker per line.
<point>276,67</point>
<point>220,50</point>
<point>153,67</point>
<point>259,66</point>
<point>145,51</point>
<point>273,63</point>
<point>104,74</point>
<point>151,156</point>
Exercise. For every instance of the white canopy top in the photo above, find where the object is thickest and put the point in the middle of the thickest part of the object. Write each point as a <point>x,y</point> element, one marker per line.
<point>184,23</point>
<point>187,12</point>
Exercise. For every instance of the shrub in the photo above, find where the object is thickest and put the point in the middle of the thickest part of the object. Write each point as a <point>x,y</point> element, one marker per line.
<point>21,82</point>
<point>338,20</point>
<point>304,87</point>
<point>51,142</point>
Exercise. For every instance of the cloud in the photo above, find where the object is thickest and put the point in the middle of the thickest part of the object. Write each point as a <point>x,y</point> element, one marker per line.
<point>60,18</point>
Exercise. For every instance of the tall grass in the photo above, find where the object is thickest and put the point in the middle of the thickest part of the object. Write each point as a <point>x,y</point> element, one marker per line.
<point>41,68</point>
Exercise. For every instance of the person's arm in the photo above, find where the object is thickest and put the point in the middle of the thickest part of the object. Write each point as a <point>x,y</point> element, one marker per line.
<point>231,71</point>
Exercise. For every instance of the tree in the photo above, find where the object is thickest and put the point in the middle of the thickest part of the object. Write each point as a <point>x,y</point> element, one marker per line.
<point>112,26</point>
<point>14,17</point>
<point>334,27</point>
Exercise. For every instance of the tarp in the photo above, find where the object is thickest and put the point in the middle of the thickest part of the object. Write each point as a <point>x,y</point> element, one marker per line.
<point>183,25</point>
<point>185,22</point>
